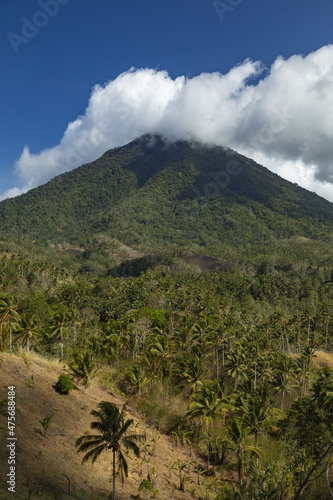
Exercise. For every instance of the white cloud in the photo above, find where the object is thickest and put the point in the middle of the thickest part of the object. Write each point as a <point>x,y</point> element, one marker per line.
<point>284,120</point>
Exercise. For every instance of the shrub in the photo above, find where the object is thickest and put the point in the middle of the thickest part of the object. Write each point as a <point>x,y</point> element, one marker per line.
<point>45,422</point>
<point>64,384</point>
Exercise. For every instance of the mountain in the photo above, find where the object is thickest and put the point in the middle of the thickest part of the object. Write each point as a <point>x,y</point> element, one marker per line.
<point>199,285</point>
<point>151,193</point>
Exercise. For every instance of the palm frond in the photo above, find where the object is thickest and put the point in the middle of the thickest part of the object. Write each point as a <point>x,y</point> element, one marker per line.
<point>90,437</point>
<point>122,463</point>
<point>95,453</point>
<point>101,427</point>
<point>104,420</point>
<point>128,443</point>
<point>125,426</point>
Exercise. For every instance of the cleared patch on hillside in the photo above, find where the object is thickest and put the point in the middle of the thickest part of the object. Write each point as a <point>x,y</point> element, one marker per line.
<point>323,359</point>
<point>302,239</point>
<point>207,263</point>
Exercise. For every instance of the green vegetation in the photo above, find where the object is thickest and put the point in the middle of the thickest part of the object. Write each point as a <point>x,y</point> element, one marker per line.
<point>83,368</point>
<point>231,363</point>
<point>216,323</point>
<point>64,384</point>
<point>150,194</point>
<point>113,427</point>
<point>45,423</point>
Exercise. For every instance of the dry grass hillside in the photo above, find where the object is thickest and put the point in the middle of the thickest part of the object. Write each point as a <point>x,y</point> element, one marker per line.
<point>47,466</point>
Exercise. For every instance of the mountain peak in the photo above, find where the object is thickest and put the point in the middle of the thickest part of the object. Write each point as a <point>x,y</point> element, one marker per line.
<point>153,191</point>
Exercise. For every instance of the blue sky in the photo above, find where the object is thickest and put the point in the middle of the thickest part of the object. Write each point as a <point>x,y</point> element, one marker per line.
<point>54,52</point>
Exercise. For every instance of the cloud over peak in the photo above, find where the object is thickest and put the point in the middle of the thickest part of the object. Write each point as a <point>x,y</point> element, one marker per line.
<point>281,117</point>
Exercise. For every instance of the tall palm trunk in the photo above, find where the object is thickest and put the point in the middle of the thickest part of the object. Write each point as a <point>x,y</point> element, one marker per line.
<point>114,473</point>
<point>74,336</point>
<point>240,464</point>
<point>217,363</point>
<point>10,332</point>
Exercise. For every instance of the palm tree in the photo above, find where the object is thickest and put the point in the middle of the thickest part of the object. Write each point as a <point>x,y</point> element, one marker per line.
<point>29,327</point>
<point>303,365</point>
<point>238,432</point>
<point>283,377</point>
<point>235,365</point>
<point>322,391</point>
<point>194,372</point>
<point>265,371</point>
<point>208,403</point>
<point>160,349</point>
<point>61,323</point>
<point>308,318</point>
<point>219,339</point>
<point>136,376</point>
<point>9,306</point>
<point>83,368</point>
<point>254,408</point>
<point>112,427</point>
<point>255,415</point>
<point>325,319</point>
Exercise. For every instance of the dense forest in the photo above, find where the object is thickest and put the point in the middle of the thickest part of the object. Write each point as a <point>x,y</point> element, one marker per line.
<point>150,193</point>
<point>246,349</point>
<point>231,317</point>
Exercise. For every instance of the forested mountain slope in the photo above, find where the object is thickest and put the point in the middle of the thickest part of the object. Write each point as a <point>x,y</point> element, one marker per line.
<point>150,193</point>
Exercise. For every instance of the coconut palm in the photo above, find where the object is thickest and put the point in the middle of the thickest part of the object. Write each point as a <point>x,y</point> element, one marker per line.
<point>136,376</point>
<point>112,427</point>
<point>265,368</point>
<point>322,391</point>
<point>61,323</point>
<point>325,319</point>
<point>238,432</point>
<point>236,366</point>
<point>283,377</point>
<point>194,372</point>
<point>303,365</point>
<point>9,305</point>
<point>160,349</point>
<point>219,339</point>
<point>207,404</point>
<point>29,327</point>
<point>254,408</point>
<point>83,368</point>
